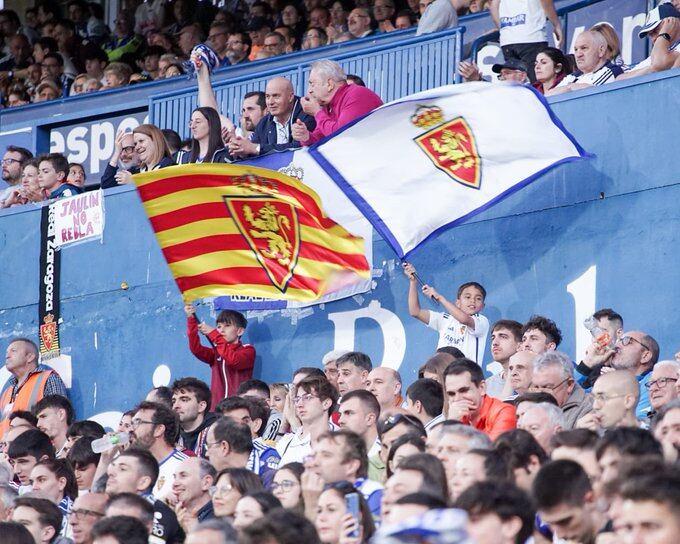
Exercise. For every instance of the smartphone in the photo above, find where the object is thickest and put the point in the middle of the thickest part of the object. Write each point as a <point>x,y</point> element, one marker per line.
<point>352,504</point>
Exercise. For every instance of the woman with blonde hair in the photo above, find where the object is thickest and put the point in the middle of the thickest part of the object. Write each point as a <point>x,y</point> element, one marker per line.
<point>612,39</point>
<point>151,148</point>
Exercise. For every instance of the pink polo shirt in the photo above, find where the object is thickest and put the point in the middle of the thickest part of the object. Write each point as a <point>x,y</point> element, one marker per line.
<point>348,103</point>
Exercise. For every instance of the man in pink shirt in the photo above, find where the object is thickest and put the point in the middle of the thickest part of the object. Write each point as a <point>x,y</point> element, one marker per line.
<point>332,102</point>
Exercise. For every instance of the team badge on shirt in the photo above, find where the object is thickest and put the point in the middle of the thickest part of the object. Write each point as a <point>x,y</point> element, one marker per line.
<point>450,145</point>
<point>272,230</point>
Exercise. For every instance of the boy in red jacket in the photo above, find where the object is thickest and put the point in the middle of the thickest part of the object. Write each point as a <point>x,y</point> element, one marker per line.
<point>231,362</point>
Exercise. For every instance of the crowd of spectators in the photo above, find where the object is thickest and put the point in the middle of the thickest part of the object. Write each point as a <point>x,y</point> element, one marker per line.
<point>545,450</point>
<point>66,50</point>
<point>551,446</point>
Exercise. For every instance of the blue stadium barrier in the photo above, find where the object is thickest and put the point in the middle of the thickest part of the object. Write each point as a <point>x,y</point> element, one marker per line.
<point>393,70</point>
<point>590,234</point>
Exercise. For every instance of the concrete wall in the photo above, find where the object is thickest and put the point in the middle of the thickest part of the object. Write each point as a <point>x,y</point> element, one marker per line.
<point>592,234</point>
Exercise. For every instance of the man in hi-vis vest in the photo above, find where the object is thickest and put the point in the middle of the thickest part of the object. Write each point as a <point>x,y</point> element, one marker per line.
<point>29,383</point>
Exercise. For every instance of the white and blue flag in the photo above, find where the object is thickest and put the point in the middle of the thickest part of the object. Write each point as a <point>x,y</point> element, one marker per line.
<point>432,160</point>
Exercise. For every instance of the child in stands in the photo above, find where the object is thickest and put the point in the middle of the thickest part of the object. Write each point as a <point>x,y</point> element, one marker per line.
<point>463,326</point>
<point>231,362</point>
<point>52,176</point>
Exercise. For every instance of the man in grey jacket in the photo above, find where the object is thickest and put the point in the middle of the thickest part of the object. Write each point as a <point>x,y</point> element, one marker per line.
<point>554,374</point>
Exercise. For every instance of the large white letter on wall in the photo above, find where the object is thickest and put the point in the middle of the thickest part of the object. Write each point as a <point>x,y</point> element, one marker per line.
<point>394,335</point>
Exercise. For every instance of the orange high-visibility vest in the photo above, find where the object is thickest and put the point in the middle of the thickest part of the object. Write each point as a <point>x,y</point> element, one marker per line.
<point>28,395</point>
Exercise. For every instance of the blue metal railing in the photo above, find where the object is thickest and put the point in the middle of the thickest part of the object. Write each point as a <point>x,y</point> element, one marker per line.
<point>391,70</point>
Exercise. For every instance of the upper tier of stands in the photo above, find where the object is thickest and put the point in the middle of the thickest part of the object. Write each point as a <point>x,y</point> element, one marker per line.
<point>393,64</point>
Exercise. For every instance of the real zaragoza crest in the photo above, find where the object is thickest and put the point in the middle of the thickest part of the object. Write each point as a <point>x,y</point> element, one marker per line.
<point>450,145</point>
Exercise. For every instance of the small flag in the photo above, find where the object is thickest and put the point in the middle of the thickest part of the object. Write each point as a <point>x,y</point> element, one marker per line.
<point>429,161</point>
<point>241,230</point>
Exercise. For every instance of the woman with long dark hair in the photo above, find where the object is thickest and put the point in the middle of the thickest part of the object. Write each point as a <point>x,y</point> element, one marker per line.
<point>551,67</point>
<point>206,139</point>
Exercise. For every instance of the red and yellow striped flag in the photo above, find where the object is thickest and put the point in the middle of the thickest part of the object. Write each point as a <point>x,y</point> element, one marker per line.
<point>242,230</point>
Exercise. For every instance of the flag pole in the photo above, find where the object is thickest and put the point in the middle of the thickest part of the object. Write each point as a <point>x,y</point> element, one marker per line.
<point>420,281</point>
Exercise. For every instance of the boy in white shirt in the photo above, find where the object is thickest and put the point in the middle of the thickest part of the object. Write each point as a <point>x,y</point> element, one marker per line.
<point>463,326</point>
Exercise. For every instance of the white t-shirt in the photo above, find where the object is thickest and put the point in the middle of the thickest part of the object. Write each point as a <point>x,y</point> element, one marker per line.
<point>166,473</point>
<point>648,61</point>
<point>605,74</point>
<point>453,333</point>
<point>522,21</point>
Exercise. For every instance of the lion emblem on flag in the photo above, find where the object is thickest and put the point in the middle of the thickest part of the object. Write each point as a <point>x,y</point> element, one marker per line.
<point>272,227</point>
<point>450,145</point>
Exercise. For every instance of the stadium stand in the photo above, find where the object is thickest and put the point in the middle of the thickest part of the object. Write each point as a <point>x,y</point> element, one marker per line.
<point>299,427</point>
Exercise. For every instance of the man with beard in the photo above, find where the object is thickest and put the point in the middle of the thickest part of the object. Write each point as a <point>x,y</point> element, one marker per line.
<point>635,351</point>
<point>12,163</point>
<point>191,401</point>
<point>274,131</point>
<point>156,428</point>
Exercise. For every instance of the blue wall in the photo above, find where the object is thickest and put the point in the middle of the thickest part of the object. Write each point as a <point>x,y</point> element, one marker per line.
<point>609,227</point>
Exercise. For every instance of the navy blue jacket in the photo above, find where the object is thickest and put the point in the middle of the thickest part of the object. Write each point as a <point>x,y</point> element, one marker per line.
<point>109,176</point>
<point>221,155</point>
<point>265,131</point>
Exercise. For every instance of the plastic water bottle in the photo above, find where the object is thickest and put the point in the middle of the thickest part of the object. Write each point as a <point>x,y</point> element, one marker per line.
<point>110,441</point>
<point>600,335</point>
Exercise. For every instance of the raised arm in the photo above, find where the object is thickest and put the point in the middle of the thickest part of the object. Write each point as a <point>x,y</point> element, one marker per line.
<point>413,303</point>
<point>206,94</point>
<point>493,10</point>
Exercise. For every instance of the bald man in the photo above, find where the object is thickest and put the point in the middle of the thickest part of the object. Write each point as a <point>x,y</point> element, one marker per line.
<point>87,510</point>
<point>385,384</point>
<point>274,131</point>
<point>615,399</point>
<point>520,372</point>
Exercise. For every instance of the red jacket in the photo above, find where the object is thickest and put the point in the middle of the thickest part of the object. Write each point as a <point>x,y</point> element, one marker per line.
<point>495,417</point>
<point>231,364</point>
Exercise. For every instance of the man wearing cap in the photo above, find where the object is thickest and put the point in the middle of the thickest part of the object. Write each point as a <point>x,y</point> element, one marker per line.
<point>522,28</point>
<point>257,29</point>
<point>510,70</point>
<point>662,27</point>
<point>592,65</point>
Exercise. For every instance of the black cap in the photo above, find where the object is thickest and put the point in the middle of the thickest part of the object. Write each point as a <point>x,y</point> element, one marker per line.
<point>512,64</point>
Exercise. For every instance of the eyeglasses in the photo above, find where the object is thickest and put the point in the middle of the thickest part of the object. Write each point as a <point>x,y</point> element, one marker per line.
<point>286,485</point>
<point>603,397</point>
<point>9,161</point>
<point>221,490</point>
<point>661,383</point>
<point>82,512</point>
<point>547,388</point>
<point>209,445</point>
<point>625,340</point>
<point>129,148</point>
<point>137,422</point>
<point>304,398</point>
